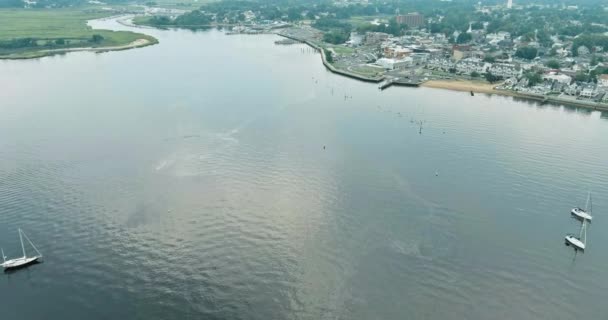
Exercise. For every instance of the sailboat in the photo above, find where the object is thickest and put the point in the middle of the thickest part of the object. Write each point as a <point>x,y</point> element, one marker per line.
<point>580,242</point>
<point>582,214</point>
<point>21,261</point>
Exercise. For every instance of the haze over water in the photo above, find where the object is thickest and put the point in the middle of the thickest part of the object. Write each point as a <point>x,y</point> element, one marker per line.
<point>189,180</point>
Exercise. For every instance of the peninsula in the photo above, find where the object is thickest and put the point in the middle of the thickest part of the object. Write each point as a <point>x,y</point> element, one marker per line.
<point>37,32</point>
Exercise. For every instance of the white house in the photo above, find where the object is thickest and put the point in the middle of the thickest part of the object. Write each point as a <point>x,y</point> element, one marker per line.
<point>561,78</point>
<point>602,80</point>
<point>588,92</point>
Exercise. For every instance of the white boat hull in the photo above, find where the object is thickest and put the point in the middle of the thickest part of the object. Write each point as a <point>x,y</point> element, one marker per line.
<point>18,262</point>
<point>575,242</point>
<point>581,214</point>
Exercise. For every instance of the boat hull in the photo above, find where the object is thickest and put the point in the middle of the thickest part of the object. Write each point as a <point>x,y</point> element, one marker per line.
<point>19,262</point>
<point>576,243</point>
<point>581,214</point>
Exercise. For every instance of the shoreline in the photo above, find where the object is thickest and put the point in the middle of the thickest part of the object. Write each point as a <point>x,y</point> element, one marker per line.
<point>139,43</point>
<point>462,85</point>
<point>487,88</point>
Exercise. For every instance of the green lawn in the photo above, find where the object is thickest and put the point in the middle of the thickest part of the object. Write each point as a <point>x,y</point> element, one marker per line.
<point>362,20</point>
<point>47,25</point>
<point>342,50</point>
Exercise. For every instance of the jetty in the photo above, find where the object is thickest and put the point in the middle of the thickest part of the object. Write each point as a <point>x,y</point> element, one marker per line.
<point>405,82</point>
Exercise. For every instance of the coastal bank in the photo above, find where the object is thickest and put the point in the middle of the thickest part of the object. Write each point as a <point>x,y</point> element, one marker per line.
<point>329,66</point>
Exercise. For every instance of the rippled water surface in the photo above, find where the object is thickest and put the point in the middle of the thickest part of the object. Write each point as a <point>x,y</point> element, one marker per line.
<point>190,180</point>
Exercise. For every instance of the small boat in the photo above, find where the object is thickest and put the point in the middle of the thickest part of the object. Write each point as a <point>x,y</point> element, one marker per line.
<point>578,242</point>
<point>21,261</point>
<point>472,94</point>
<point>582,214</point>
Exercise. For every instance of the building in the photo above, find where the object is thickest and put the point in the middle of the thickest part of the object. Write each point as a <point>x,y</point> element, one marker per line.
<point>602,80</point>
<point>396,52</point>
<point>509,4</point>
<point>375,37</point>
<point>589,92</point>
<point>412,20</point>
<point>505,70</point>
<point>469,65</point>
<point>391,64</point>
<point>561,78</point>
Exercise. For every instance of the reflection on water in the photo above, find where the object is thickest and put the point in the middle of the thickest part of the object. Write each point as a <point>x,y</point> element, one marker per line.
<point>224,177</point>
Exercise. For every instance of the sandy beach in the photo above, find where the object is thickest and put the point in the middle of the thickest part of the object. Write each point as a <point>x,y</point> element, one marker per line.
<point>135,44</point>
<point>463,85</point>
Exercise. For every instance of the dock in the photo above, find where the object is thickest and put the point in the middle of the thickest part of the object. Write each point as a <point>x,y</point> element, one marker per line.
<point>404,82</point>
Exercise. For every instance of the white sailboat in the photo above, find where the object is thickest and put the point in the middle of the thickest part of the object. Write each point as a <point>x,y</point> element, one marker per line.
<point>582,214</point>
<point>579,242</point>
<point>21,261</point>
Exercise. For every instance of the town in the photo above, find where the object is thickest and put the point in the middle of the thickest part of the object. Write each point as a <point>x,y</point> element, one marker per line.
<point>547,51</point>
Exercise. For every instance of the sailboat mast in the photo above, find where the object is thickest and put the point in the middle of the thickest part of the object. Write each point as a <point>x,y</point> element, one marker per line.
<point>3,256</point>
<point>21,239</point>
<point>580,235</point>
<point>32,244</point>
<point>585,236</point>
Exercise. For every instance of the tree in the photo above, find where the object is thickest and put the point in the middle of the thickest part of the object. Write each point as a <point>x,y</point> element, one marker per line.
<point>581,76</point>
<point>60,42</point>
<point>526,53</point>
<point>553,64</point>
<point>11,4</point>
<point>96,38</point>
<point>589,41</point>
<point>328,57</point>
<point>294,14</point>
<point>533,78</point>
<point>395,28</point>
<point>489,59</point>
<point>335,37</point>
<point>160,21</point>
<point>491,78</point>
<point>596,59</point>
<point>464,38</point>
<point>477,25</point>
<point>474,74</point>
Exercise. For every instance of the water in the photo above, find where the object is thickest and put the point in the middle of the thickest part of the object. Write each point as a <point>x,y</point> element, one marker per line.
<point>189,180</point>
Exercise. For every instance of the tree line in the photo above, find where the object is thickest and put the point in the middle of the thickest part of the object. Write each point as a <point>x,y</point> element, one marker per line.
<point>22,43</point>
